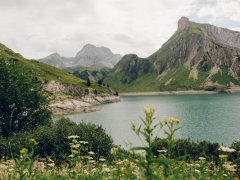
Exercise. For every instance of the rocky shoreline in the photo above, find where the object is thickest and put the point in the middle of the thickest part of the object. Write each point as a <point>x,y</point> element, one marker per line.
<point>85,104</point>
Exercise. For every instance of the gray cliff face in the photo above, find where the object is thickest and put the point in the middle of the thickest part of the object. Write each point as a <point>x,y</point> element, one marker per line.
<point>183,23</point>
<point>90,55</point>
<point>200,45</point>
<point>197,56</point>
<point>225,36</point>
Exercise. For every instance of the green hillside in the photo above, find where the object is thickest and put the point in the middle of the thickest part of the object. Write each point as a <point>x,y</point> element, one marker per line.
<point>43,71</point>
<point>133,74</point>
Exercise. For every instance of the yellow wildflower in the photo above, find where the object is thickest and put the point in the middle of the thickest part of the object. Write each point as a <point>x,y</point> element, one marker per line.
<point>23,151</point>
<point>75,146</point>
<point>149,111</point>
<point>74,152</point>
<point>33,141</point>
<point>114,150</point>
<point>172,121</point>
<point>223,156</point>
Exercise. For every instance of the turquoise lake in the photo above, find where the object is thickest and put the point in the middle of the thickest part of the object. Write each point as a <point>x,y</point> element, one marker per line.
<point>211,117</point>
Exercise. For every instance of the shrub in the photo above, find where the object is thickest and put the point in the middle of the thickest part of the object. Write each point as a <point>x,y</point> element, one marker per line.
<point>10,147</point>
<point>23,104</point>
<point>187,150</point>
<point>235,156</point>
<point>146,131</point>
<point>53,140</point>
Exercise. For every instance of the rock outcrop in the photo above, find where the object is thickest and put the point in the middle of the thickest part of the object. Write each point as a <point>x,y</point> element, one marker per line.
<point>86,104</point>
<point>71,99</point>
<point>183,23</point>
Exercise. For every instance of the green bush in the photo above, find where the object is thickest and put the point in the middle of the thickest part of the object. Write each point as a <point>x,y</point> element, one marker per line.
<point>9,148</point>
<point>95,135</point>
<point>188,150</point>
<point>53,140</point>
<point>24,104</point>
<point>235,156</point>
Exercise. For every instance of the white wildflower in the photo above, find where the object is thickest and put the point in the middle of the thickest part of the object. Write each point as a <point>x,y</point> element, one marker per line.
<point>73,137</point>
<point>202,158</point>
<point>162,151</point>
<point>197,171</point>
<point>71,156</point>
<point>226,149</point>
<point>91,153</point>
<point>102,159</point>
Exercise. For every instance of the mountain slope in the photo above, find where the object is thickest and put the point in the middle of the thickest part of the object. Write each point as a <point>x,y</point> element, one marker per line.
<point>67,93</point>
<point>44,72</point>
<point>197,56</point>
<point>88,56</point>
<point>132,73</point>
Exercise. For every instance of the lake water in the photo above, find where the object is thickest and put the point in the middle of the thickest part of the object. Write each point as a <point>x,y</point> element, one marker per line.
<point>212,117</point>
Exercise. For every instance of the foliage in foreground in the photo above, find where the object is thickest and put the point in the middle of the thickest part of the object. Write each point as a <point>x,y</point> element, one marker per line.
<point>53,141</point>
<point>23,104</point>
<point>84,162</point>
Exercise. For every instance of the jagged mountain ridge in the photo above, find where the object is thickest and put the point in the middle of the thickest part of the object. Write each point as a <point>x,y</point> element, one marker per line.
<point>89,55</point>
<point>197,56</point>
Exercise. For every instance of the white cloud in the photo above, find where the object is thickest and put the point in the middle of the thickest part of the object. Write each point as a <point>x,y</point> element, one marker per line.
<point>40,27</point>
<point>221,9</point>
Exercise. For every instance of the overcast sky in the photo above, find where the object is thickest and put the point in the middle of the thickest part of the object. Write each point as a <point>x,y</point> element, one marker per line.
<point>37,28</point>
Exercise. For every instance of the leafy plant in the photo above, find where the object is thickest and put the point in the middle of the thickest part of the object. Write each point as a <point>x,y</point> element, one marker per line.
<point>25,164</point>
<point>24,105</point>
<point>148,161</point>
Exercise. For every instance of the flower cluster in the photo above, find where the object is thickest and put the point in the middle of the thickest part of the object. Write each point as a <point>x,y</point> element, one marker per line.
<point>149,111</point>
<point>23,151</point>
<point>230,167</point>
<point>74,145</point>
<point>33,142</point>
<point>226,149</point>
<point>171,121</point>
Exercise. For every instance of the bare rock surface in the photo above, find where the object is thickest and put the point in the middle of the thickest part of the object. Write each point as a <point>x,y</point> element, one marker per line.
<point>85,104</point>
<point>70,99</point>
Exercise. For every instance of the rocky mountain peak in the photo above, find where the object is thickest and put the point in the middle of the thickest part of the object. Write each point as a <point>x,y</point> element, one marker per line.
<point>183,22</point>
<point>89,55</point>
<point>91,50</point>
<point>88,46</point>
<point>55,55</point>
<point>197,56</point>
<point>130,56</point>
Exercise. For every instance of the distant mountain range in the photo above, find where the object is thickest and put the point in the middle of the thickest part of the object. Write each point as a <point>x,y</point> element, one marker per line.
<point>88,56</point>
<point>197,56</point>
